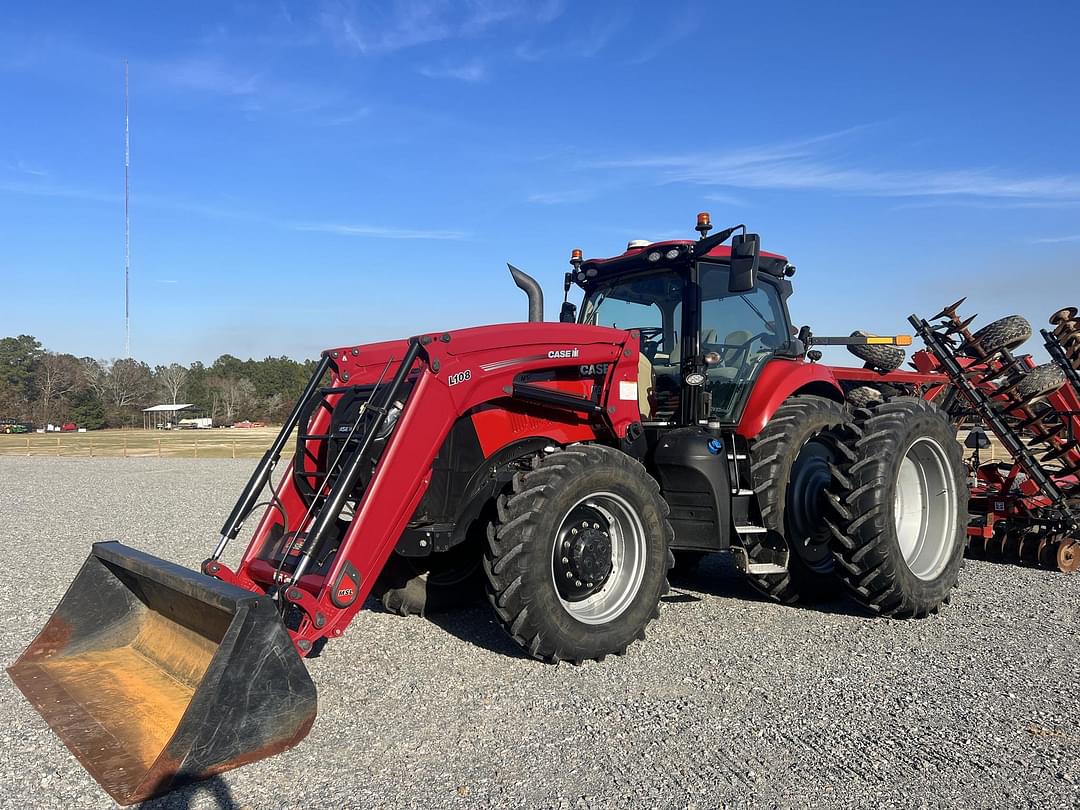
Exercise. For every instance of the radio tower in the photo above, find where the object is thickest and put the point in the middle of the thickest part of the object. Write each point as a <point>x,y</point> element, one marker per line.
<point>127,222</point>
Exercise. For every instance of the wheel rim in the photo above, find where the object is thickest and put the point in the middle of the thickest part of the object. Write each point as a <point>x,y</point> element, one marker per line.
<point>924,509</point>
<point>804,510</point>
<point>613,526</point>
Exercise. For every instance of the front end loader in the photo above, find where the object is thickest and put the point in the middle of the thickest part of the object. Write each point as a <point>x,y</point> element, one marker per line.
<point>563,465</point>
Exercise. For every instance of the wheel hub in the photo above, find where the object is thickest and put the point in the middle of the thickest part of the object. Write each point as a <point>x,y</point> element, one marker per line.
<point>583,559</point>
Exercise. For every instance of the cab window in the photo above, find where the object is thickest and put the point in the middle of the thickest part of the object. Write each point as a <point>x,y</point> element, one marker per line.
<point>652,304</point>
<point>648,303</point>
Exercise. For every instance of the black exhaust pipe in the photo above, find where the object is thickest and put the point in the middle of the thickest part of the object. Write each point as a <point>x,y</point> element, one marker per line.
<point>532,289</point>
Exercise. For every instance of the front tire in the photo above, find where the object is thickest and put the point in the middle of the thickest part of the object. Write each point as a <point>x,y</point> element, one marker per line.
<point>578,559</point>
<point>900,500</point>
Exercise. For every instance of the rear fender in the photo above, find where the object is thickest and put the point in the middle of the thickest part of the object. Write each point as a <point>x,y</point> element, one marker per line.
<point>780,379</point>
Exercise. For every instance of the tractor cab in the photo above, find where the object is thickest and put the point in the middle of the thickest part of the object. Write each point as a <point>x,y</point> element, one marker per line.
<point>708,316</point>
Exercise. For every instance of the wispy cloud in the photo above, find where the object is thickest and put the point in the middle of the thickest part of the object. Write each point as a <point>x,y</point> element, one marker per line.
<point>21,167</point>
<point>207,75</point>
<point>573,195</point>
<point>233,212</point>
<point>340,119</point>
<point>727,199</point>
<point>987,205</point>
<point>62,192</point>
<point>376,231</point>
<point>373,30</point>
<point>253,89</point>
<point>472,71</point>
<point>679,29</point>
<point>805,165</point>
<point>583,43</point>
<point>1053,240</point>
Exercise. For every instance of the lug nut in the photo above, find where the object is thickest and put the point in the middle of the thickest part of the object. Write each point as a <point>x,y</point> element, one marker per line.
<point>569,575</point>
<point>573,531</point>
<point>596,525</point>
<point>565,561</point>
<point>577,582</point>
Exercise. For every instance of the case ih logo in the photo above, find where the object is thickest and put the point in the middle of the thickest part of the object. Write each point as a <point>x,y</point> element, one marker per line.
<point>562,354</point>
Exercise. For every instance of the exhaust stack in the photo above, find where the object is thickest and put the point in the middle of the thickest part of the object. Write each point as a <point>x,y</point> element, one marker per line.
<point>531,289</point>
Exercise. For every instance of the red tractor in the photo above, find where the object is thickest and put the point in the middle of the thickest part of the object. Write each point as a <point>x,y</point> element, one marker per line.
<point>567,465</point>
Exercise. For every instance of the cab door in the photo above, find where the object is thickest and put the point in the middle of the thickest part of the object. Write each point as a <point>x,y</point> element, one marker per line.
<point>737,334</point>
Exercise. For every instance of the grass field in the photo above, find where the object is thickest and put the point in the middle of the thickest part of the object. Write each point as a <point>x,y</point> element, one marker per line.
<point>216,443</point>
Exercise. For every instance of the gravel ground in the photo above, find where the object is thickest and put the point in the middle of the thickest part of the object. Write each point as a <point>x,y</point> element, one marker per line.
<point>731,702</point>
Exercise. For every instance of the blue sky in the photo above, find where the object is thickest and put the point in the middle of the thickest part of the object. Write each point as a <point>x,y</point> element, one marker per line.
<point>308,174</point>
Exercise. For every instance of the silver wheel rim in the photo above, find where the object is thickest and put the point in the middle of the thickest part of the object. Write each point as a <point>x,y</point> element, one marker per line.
<point>924,509</point>
<point>627,561</point>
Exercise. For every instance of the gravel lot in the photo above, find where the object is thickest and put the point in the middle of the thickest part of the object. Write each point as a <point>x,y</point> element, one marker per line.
<point>731,702</point>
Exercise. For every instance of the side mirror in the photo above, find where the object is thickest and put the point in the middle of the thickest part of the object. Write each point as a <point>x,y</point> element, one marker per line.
<point>568,313</point>
<point>745,249</point>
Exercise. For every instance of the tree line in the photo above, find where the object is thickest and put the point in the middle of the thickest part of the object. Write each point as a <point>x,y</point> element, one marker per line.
<point>43,387</point>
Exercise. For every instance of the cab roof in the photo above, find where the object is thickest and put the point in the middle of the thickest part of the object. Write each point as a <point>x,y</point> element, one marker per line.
<point>720,251</point>
<point>771,263</point>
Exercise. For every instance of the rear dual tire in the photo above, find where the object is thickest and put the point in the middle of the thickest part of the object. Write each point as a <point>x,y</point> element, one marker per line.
<point>790,461</point>
<point>899,508</point>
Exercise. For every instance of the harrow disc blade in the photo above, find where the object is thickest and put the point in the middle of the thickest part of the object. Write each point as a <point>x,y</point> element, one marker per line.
<point>1066,314</point>
<point>1068,556</point>
<point>1048,552</point>
<point>976,546</point>
<point>1010,547</point>
<point>1029,549</point>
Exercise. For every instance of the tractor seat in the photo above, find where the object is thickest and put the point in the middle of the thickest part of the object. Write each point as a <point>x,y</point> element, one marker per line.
<point>708,336</point>
<point>729,366</point>
<point>646,384</point>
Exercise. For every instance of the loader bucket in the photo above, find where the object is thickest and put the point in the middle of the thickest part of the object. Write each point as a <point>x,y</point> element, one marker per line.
<point>154,675</point>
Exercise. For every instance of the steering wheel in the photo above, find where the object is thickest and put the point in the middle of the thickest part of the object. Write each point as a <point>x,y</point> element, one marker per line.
<point>738,350</point>
<point>652,339</point>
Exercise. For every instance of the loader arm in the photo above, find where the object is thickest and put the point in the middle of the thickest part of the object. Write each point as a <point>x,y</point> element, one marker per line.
<point>452,375</point>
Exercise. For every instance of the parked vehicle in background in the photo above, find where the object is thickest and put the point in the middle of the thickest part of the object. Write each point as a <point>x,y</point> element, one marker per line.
<point>15,426</point>
<point>196,423</point>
